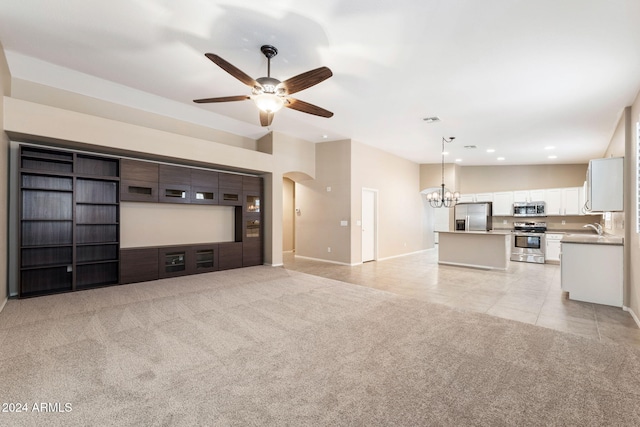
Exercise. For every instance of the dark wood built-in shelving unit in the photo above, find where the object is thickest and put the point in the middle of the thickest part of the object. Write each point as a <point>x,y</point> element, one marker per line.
<point>69,232</point>
<point>69,221</point>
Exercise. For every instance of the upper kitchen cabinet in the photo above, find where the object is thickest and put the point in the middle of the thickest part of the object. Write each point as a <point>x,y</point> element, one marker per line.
<point>605,185</point>
<point>503,203</point>
<point>139,181</point>
<point>174,184</point>
<point>564,201</point>
<point>204,187</point>
<point>484,197</point>
<point>553,201</point>
<point>528,195</point>
<point>467,198</point>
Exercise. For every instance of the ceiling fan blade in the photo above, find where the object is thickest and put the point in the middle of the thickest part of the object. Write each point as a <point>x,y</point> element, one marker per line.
<point>233,70</point>
<point>222,99</point>
<point>306,80</point>
<point>305,107</point>
<point>266,118</point>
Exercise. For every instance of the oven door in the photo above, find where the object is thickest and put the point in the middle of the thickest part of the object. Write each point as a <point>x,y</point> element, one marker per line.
<point>528,247</point>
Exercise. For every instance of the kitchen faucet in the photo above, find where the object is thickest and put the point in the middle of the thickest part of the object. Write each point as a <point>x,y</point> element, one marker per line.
<point>597,227</point>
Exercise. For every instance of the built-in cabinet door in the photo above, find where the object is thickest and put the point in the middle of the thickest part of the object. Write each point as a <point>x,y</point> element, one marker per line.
<point>484,197</point>
<point>204,187</point>
<point>174,184</point>
<point>467,198</point>
<point>572,201</point>
<point>503,203</point>
<point>536,195</point>
<point>230,189</point>
<point>553,201</point>
<point>138,181</point>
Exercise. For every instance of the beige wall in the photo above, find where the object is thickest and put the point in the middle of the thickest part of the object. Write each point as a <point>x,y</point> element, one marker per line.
<point>400,206</point>
<point>288,215</point>
<point>318,223</point>
<point>161,224</point>
<point>431,176</point>
<point>5,90</point>
<point>624,142</point>
<point>478,179</point>
<point>55,97</point>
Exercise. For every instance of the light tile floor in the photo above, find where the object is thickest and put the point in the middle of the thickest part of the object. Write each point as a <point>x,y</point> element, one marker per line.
<point>525,292</point>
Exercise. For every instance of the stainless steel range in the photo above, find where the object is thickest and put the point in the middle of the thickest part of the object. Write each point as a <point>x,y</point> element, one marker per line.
<point>527,244</point>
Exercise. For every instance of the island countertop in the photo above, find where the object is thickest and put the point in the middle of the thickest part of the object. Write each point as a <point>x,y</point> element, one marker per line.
<point>593,239</point>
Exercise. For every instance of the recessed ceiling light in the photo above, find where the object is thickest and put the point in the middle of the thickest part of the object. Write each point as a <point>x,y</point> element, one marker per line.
<point>445,153</point>
<point>553,157</point>
<point>470,147</point>
<point>432,119</point>
<point>501,158</point>
<point>325,136</point>
<point>490,150</point>
<point>550,147</point>
<point>458,160</point>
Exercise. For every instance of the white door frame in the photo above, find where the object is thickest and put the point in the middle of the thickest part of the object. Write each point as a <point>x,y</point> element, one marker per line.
<point>373,192</point>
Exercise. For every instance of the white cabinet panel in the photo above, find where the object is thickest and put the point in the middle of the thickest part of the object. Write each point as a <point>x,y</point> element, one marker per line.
<point>592,273</point>
<point>571,201</point>
<point>553,201</point>
<point>520,196</point>
<point>467,198</point>
<point>552,250</point>
<point>605,187</point>
<point>484,197</point>
<point>536,195</point>
<point>503,203</point>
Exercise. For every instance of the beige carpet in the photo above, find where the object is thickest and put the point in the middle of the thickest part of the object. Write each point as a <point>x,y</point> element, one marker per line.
<point>267,346</point>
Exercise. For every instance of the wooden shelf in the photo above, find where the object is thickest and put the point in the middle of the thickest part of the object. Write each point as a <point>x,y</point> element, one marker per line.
<point>69,215</point>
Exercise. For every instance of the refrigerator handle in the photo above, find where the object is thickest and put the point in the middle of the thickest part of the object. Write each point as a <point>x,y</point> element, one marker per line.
<point>466,223</point>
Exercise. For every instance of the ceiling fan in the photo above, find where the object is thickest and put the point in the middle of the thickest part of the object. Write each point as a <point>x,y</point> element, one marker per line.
<point>270,94</point>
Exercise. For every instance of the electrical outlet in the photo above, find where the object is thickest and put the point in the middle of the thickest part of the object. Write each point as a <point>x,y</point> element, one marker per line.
<point>564,222</point>
<point>329,249</point>
<point>504,222</point>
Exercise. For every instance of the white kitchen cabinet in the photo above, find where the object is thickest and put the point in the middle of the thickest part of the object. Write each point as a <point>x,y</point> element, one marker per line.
<point>572,201</point>
<point>484,197</point>
<point>552,247</point>
<point>605,185</point>
<point>528,196</point>
<point>553,201</point>
<point>592,272</point>
<point>520,196</point>
<point>467,198</point>
<point>503,203</point>
<point>536,195</point>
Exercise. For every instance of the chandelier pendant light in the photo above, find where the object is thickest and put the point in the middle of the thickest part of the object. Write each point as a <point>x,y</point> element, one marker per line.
<point>442,198</point>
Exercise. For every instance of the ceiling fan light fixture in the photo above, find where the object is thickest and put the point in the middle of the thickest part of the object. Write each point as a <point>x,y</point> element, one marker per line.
<point>268,102</point>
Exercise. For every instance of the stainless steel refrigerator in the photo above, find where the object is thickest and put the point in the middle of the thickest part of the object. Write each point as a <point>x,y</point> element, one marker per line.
<point>473,216</point>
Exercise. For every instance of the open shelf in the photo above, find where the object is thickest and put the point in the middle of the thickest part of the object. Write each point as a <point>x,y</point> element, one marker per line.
<point>69,214</point>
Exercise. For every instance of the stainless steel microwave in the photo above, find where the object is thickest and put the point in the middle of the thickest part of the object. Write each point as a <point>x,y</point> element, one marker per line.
<point>529,209</point>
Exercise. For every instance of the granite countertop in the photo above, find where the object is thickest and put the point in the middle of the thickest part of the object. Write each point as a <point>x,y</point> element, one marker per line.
<point>593,239</point>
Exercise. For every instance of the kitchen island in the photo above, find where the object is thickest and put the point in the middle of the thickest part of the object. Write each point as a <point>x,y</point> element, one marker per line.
<point>479,249</point>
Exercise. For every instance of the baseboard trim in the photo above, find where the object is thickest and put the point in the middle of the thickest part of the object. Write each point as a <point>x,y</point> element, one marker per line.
<point>3,303</point>
<point>274,265</point>
<point>325,260</point>
<point>401,255</point>
<point>633,315</point>
<point>479,267</point>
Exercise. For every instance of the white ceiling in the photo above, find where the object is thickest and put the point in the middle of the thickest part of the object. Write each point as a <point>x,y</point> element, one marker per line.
<point>516,76</point>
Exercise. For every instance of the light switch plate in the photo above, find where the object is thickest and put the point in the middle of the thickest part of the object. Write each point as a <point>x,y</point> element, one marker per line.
<point>344,223</point>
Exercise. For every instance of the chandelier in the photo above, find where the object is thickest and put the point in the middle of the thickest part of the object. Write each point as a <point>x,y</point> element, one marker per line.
<point>442,198</point>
